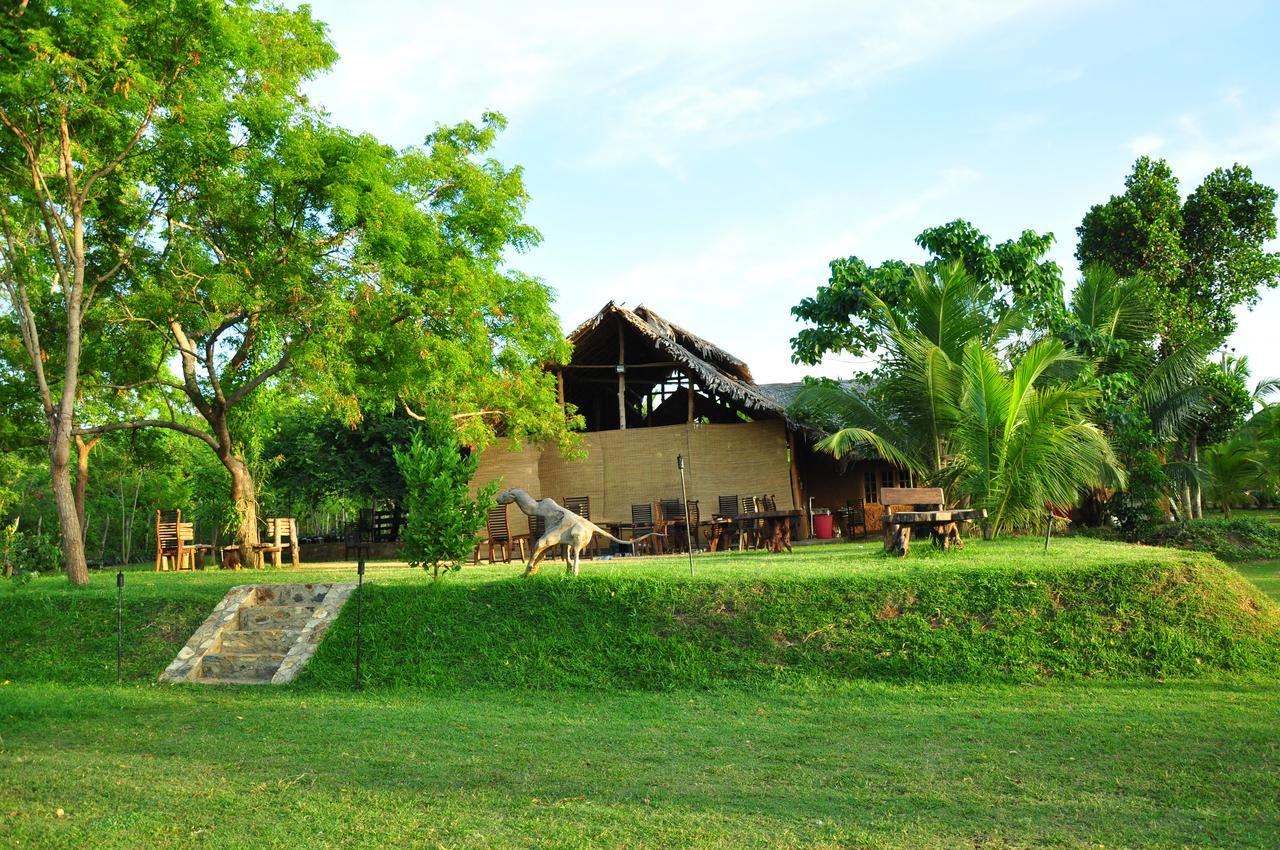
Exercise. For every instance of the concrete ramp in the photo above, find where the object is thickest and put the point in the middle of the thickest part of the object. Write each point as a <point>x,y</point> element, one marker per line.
<point>259,634</point>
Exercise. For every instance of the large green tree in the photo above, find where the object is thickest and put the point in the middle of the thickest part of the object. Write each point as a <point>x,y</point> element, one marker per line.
<point>89,90</point>
<point>1205,255</point>
<point>843,315</point>
<point>303,260</point>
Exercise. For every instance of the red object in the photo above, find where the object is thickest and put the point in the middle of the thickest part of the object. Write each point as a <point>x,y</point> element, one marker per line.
<point>822,526</point>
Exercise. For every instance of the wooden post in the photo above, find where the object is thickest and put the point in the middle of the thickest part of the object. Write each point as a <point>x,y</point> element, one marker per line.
<point>797,492</point>
<point>560,387</point>
<point>622,378</point>
<point>688,386</point>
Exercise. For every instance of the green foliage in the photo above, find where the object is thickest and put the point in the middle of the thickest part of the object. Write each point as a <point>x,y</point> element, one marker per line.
<point>1022,442</point>
<point>1237,539</point>
<point>24,555</point>
<point>1205,256</point>
<point>442,516</point>
<point>946,408</point>
<point>845,314</point>
<point>322,457</point>
<point>1232,471</point>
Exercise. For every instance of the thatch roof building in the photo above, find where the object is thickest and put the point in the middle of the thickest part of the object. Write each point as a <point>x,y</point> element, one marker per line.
<point>650,390</point>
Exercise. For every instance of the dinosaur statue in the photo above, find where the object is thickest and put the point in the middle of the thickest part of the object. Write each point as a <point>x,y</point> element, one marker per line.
<point>563,526</point>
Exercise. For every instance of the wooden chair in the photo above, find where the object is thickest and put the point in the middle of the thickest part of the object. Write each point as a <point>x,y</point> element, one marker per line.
<point>909,509</point>
<point>581,505</point>
<point>671,523</point>
<point>750,532</point>
<point>676,517</point>
<point>500,535</point>
<point>282,533</point>
<point>854,515</point>
<point>355,537</point>
<point>693,516</point>
<point>724,525</point>
<point>175,542</point>
<point>644,530</point>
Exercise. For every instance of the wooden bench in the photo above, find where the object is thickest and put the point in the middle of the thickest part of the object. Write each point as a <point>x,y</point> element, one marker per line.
<point>282,534</point>
<point>175,542</point>
<point>918,510</point>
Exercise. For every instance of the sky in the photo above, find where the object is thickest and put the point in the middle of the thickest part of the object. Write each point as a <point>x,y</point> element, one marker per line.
<point>709,159</point>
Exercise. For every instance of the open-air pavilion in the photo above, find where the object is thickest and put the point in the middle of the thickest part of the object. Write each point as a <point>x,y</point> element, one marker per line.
<point>649,391</point>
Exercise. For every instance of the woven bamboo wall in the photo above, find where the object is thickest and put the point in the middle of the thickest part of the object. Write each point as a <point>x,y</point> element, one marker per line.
<point>638,465</point>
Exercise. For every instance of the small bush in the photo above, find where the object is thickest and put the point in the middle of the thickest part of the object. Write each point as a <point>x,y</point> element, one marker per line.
<point>1237,539</point>
<point>442,517</point>
<point>26,554</point>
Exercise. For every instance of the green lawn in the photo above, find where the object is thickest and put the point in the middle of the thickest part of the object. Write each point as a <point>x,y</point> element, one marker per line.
<point>1151,765</point>
<point>1265,574</point>
<point>812,761</point>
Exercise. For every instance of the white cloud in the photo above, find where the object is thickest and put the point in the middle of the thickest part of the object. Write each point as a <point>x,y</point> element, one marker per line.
<point>738,290</point>
<point>1145,145</point>
<point>661,78</point>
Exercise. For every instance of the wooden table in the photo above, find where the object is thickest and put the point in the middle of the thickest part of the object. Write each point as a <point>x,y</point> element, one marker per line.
<point>940,525</point>
<point>843,517</point>
<point>777,528</point>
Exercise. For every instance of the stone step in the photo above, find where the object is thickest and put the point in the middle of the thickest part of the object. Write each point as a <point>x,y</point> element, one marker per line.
<point>258,640</point>
<point>240,666</point>
<point>290,594</point>
<point>275,616</point>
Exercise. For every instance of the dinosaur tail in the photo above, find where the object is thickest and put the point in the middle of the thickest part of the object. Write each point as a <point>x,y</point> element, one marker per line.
<point>598,530</point>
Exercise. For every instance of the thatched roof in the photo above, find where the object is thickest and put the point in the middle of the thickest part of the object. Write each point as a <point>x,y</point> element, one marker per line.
<point>713,368</point>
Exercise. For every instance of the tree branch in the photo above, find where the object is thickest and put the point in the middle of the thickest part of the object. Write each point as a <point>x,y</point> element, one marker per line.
<point>188,354</point>
<point>120,157</point>
<point>257,380</point>
<point>139,424</point>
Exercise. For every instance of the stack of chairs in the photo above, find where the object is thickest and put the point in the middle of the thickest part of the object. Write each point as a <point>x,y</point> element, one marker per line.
<point>644,530</point>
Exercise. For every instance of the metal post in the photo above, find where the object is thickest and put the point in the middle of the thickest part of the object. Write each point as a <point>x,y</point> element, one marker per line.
<point>359,613</point>
<point>684,494</point>
<point>119,625</point>
<point>1048,531</point>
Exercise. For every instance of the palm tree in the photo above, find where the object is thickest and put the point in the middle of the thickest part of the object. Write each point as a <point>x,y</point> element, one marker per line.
<point>945,408</point>
<point>910,412</point>
<point>1112,323</point>
<point>1233,469</point>
<point>1023,441</point>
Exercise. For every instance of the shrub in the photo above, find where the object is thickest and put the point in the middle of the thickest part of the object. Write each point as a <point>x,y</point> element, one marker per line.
<point>442,517</point>
<point>26,554</point>
<point>1236,539</point>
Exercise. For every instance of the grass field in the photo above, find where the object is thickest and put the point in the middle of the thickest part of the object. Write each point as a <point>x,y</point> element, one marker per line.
<point>865,765</point>
<point>806,761</point>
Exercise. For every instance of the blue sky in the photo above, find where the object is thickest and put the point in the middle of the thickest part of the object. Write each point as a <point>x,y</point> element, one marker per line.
<point>708,159</point>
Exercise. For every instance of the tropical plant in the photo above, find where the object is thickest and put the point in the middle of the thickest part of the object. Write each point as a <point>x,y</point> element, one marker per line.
<point>944,407</point>
<point>442,516</point>
<point>1024,439</point>
<point>1231,471</point>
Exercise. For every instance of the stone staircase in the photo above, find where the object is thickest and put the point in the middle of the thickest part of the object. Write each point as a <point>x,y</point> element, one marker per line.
<point>259,634</point>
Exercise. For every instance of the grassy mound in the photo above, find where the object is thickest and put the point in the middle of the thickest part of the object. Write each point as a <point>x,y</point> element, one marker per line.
<point>1241,538</point>
<point>70,636</point>
<point>996,611</point>
<point>996,616</point>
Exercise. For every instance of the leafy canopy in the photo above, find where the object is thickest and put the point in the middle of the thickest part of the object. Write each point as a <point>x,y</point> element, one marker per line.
<point>1205,256</point>
<point>844,313</point>
<point>442,516</point>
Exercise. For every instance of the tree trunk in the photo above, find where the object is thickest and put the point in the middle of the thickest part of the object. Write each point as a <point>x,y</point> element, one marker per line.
<point>1197,501</point>
<point>82,476</point>
<point>65,500</point>
<point>246,501</point>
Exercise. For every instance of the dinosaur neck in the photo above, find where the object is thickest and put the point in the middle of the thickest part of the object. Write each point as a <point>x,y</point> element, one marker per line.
<point>525,502</point>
